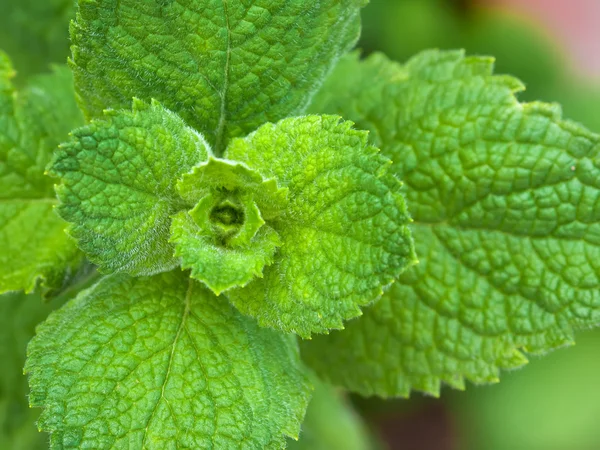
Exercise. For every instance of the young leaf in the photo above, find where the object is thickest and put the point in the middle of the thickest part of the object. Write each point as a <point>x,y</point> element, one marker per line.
<point>226,67</point>
<point>344,230</point>
<point>32,123</point>
<point>118,186</point>
<point>159,363</point>
<point>506,202</point>
<point>224,239</point>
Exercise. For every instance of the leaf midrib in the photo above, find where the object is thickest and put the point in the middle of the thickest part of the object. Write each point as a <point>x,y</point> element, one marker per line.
<point>223,109</point>
<point>186,313</point>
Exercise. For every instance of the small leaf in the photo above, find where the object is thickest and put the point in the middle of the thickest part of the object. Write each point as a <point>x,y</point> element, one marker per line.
<point>225,67</point>
<point>232,176</point>
<point>160,363</point>
<point>344,230</point>
<point>505,198</point>
<point>223,239</point>
<point>118,186</point>
<point>219,267</point>
<point>33,121</point>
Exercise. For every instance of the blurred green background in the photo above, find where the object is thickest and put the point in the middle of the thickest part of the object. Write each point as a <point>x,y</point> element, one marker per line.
<point>553,403</point>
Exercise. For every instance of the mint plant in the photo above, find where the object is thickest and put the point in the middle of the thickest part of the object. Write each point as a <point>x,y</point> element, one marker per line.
<point>235,172</point>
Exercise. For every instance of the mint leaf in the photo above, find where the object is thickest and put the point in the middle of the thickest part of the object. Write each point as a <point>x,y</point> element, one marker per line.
<point>331,424</point>
<point>161,362</point>
<point>118,186</point>
<point>226,67</point>
<point>344,233</point>
<point>224,239</point>
<point>19,315</point>
<point>507,228</point>
<point>32,123</point>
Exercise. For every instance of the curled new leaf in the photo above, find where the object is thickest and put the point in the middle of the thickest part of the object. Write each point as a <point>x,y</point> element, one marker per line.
<point>224,238</point>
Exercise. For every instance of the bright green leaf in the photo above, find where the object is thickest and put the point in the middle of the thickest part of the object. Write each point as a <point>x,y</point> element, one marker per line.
<point>224,239</point>
<point>161,363</point>
<point>118,186</point>
<point>225,66</point>
<point>506,202</point>
<point>33,121</point>
<point>219,267</point>
<point>344,230</point>
<point>232,176</point>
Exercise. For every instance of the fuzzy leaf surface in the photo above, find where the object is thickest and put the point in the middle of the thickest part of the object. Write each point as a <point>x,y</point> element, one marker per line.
<point>118,188</point>
<point>224,239</point>
<point>506,202</point>
<point>225,66</point>
<point>219,268</point>
<point>344,231</point>
<point>32,123</point>
<point>161,362</point>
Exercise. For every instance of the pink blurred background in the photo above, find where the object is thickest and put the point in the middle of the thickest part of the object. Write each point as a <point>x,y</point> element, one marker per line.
<point>575,24</point>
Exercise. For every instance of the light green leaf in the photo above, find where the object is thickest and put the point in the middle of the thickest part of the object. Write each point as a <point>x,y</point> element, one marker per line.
<point>160,363</point>
<point>19,315</point>
<point>225,67</point>
<point>224,239</point>
<point>344,231</point>
<point>32,122</point>
<point>506,202</point>
<point>234,177</point>
<point>118,186</point>
<point>331,424</point>
<point>219,267</point>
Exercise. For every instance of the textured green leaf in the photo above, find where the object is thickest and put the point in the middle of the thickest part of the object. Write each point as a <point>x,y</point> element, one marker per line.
<point>331,424</point>
<point>344,231</point>
<point>32,123</point>
<point>506,202</point>
<point>224,239</point>
<point>225,66</point>
<point>218,267</point>
<point>19,314</point>
<point>162,363</point>
<point>118,186</point>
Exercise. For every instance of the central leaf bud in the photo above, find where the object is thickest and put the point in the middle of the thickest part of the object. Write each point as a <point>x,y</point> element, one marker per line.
<point>227,215</point>
<point>225,238</point>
